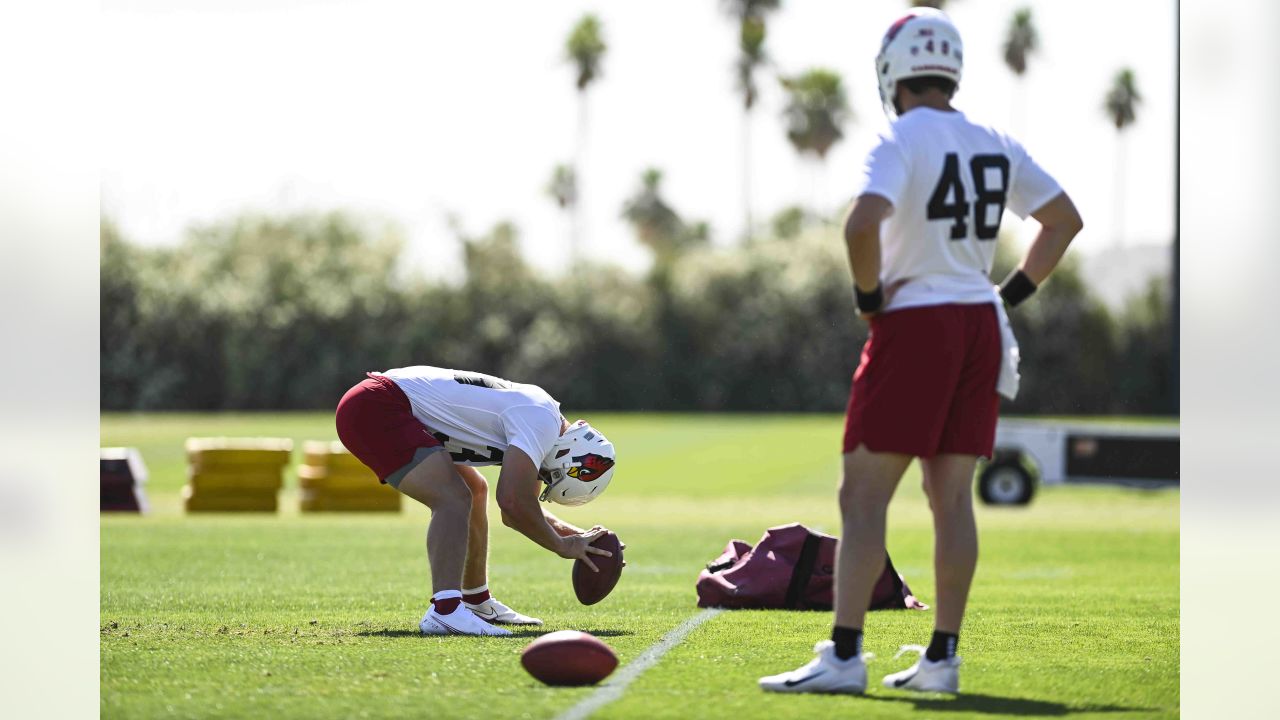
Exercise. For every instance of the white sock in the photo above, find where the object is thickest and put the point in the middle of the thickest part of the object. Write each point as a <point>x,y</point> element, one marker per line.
<point>474,590</point>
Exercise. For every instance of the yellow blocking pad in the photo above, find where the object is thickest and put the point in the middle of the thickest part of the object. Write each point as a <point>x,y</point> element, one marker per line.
<point>319,478</point>
<point>322,501</point>
<point>241,501</point>
<point>330,455</point>
<point>224,480</point>
<point>208,453</point>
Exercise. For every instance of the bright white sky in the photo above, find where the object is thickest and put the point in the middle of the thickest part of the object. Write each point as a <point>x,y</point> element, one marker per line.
<point>415,110</point>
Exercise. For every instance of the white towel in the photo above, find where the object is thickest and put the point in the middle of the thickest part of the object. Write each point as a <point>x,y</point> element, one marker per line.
<point>1007,385</point>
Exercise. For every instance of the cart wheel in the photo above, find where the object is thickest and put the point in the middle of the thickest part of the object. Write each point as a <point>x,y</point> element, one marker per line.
<point>1005,482</point>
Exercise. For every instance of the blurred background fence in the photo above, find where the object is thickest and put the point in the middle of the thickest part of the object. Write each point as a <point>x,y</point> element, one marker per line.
<point>287,312</point>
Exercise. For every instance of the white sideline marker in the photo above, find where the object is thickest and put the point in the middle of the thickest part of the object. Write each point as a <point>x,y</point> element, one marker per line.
<point>613,689</point>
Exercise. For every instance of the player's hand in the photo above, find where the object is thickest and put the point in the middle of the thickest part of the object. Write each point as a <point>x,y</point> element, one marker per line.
<point>578,547</point>
<point>621,544</point>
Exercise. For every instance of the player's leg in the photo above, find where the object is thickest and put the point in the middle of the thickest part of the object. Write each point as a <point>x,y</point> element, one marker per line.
<point>948,476</point>
<point>969,432</point>
<point>948,482</point>
<point>434,483</point>
<point>375,422</point>
<point>475,573</point>
<point>869,481</point>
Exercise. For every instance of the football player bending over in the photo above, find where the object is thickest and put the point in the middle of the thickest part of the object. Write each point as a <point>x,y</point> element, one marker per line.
<point>424,430</point>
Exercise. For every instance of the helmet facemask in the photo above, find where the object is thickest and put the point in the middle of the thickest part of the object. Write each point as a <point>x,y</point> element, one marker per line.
<point>578,467</point>
<point>550,479</point>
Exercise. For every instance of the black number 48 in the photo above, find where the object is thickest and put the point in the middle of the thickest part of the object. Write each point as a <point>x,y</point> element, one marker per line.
<point>957,209</point>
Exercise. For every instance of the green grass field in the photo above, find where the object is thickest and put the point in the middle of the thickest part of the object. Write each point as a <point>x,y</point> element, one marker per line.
<point>1074,610</point>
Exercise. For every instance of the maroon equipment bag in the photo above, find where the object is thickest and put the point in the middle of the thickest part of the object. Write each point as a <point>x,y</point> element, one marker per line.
<point>791,568</point>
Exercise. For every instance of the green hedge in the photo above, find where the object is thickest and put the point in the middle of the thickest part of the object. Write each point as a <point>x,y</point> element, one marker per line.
<point>288,312</point>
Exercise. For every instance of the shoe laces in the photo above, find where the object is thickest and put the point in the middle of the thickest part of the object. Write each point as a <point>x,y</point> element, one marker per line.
<point>822,645</point>
<point>921,650</point>
<point>917,649</point>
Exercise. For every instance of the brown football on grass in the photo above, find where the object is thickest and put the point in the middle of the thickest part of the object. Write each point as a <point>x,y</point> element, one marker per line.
<point>592,587</point>
<point>569,657</point>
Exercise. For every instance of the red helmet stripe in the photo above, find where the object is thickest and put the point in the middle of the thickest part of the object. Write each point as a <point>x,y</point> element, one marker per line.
<point>896,28</point>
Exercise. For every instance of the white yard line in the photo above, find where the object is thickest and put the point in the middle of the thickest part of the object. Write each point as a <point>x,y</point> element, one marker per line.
<point>615,686</point>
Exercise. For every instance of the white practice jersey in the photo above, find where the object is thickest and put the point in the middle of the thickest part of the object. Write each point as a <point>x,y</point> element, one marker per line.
<point>949,180</point>
<point>478,417</point>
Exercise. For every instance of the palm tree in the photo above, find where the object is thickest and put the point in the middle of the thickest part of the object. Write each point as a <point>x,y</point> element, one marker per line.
<point>656,223</point>
<point>750,15</point>
<point>658,226</point>
<point>817,109</point>
<point>563,188</point>
<point>1121,107</point>
<point>584,48</point>
<point>1020,41</point>
<point>1122,99</point>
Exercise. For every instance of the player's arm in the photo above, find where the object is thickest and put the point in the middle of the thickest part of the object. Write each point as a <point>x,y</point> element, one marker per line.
<point>1059,222</point>
<point>862,240</point>
<point>561,527</point>
<point>517,494</point>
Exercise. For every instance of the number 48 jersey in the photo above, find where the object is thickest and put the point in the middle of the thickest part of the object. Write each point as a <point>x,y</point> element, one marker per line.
<point>949,181</point>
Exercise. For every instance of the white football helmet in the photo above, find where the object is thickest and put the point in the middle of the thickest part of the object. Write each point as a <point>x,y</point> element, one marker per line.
<point>923,43</point>
<point>579,466</point>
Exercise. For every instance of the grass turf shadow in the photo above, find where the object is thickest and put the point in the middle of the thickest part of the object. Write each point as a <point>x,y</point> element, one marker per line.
<point>996,705</point>
<point>514,633</point>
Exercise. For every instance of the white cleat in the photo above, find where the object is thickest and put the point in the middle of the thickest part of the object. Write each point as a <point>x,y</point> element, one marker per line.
<point>926,675</point>
<point>494,611</point>
<point>459,622</point>
<point>824,674</point>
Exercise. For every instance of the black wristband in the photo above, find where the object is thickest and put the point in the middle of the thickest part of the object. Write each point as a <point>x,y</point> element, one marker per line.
<point>869,302</point>
<point>1016,288</point>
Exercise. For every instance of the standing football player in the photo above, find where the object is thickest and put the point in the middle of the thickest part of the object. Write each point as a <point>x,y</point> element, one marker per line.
<point>424,430</point>
<point>921,238</point>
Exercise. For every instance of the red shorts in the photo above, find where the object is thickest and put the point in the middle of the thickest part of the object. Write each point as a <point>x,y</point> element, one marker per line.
<point>376,423</point>
<point>926,384</point>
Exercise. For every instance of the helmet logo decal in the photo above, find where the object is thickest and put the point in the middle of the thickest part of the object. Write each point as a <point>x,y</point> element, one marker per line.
<point>590,467</point>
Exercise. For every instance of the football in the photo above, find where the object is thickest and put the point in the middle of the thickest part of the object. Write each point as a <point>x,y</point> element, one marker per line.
<point>592,587</point>
<point>569,657</point>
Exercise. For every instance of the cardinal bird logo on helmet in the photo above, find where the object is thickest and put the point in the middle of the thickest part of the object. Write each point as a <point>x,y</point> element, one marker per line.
<point>589,467</point>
